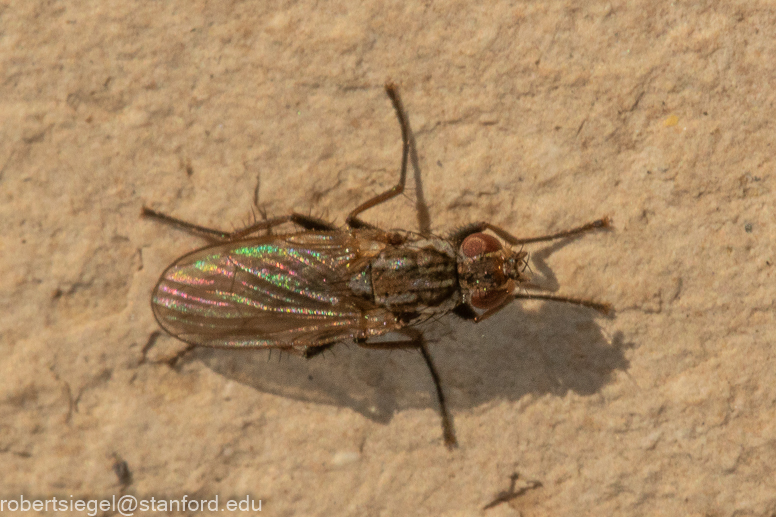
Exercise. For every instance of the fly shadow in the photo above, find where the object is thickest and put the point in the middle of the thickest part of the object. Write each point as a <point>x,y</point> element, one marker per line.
<point>554,349</point>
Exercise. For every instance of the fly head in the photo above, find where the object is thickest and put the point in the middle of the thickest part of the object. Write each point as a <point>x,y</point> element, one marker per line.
<point>487,271</point>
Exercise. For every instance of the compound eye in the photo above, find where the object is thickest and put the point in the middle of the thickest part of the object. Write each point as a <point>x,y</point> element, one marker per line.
<point>478,244</point>
<point>488,299</point>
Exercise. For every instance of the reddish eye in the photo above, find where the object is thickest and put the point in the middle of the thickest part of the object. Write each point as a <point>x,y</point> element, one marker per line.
<point>478,244</point>
<point>488,299</point>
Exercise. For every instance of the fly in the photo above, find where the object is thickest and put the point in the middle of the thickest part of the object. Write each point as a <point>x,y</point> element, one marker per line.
<point>303,292</point>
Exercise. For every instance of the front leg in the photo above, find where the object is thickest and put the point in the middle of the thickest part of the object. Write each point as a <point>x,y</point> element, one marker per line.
<point>458,236</point>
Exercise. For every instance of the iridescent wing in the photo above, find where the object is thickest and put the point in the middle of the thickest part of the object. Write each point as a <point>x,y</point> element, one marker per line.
<point>285,291</point>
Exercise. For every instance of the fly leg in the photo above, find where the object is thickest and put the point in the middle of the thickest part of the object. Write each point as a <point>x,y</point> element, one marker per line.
<point>353,220</point>
<point>305,221</point>
<point>315,350</point>
<point>416,340</point>
<point>172,361</point>
<point>458,236</point>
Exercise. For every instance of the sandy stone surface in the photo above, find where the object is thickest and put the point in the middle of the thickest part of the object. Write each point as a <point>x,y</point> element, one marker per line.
<point>534,116</point>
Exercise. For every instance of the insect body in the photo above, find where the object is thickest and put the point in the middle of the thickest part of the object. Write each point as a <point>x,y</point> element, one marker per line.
<point>303,292</point>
